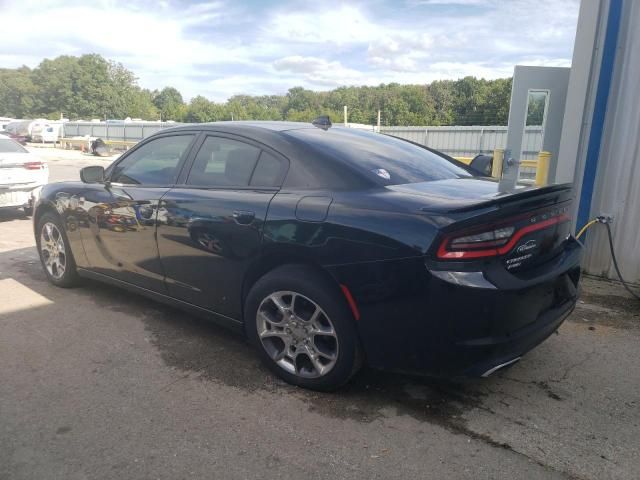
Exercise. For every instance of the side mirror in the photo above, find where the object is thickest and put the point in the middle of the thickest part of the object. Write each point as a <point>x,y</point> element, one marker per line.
<point>93,174</point>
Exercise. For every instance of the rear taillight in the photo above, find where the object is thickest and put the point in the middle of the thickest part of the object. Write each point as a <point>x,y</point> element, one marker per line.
<point>480,241</point>
<point>33,165</point>
<point>497,240</point>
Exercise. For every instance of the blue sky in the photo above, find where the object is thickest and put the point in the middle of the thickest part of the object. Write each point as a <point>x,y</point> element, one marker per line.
<point>226,47</point>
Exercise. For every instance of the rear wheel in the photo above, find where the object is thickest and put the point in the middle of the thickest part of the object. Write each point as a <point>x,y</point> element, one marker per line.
<point>302,328</point>
<point>55,254</point>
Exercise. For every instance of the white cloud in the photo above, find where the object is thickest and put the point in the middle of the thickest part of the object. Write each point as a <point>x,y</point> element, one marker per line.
<point>399,52</point>
<point>465,3</point>
<point>299,64</point>
<point>152,43</point>
<point>343,25</point>
<point>320,72</point>
<point>225,47</point>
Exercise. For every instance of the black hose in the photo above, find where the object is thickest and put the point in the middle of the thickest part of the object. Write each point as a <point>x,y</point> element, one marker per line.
<point>615,263</point>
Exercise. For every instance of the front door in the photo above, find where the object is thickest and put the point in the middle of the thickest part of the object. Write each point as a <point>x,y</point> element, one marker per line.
<point>210,226</point>
<point>120,240</point>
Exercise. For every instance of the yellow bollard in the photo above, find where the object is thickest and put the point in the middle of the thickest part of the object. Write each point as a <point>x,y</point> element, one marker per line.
<point>542,169</point>
<point>496,168</point>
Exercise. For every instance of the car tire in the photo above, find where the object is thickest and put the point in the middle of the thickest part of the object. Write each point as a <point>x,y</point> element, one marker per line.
<point>54,251</point>
<point>319,307</point>
<point>28,211</point>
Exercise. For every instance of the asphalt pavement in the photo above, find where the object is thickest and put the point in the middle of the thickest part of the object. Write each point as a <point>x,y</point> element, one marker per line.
<point>96,382</point>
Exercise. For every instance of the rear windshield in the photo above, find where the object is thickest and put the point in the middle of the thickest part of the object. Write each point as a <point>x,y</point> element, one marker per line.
<point>385,159</point>
<point>9,146</point>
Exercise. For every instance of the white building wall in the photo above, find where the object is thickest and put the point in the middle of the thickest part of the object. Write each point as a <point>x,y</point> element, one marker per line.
<point>617,188</point>
<point>587,55</point>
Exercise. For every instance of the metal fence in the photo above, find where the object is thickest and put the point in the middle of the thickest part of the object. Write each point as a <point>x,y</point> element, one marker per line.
<point>454,141</point>
<point>130,131</point>
<point>469,141</point>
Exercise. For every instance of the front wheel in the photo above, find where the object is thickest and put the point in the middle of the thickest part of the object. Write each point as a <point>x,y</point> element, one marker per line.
<point>55,253</point>
<point>303,328</point>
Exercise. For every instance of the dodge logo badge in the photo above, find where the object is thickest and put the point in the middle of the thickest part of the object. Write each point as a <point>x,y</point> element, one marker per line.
<point>525,247</point>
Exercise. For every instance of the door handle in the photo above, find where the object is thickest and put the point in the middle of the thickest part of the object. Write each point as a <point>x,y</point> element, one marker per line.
<point>243,217</point>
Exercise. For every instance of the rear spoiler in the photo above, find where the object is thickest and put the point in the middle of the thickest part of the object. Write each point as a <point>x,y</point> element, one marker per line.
<point>520,195</point>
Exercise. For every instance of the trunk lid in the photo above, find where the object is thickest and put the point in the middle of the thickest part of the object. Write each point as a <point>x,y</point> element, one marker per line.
<point>14,171</point>
<point>470,207</point>
<point>459,195</point>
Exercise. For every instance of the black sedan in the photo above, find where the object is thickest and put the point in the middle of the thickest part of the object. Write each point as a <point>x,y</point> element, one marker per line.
<point>327,247</point>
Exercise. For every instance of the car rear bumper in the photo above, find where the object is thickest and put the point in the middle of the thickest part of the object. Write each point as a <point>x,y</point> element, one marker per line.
<point>19,197</point>
<point>486,359</point>
<point>415,322</point>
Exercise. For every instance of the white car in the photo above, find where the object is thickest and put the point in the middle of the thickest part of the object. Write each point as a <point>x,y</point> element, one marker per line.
<point>22,176</point>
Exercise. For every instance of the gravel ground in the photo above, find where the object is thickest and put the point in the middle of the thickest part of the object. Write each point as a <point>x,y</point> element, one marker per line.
<point>99,383</point>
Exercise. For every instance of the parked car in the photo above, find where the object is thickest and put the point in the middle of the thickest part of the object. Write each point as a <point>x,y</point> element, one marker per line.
<point>21,139</point>
<point>22,176</point>
<point>327,247</point>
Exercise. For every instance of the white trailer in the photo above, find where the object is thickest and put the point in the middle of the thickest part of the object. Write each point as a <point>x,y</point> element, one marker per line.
<point>48,132</point>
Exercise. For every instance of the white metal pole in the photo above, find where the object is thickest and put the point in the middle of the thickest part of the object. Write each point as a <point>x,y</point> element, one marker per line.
<point>378,121</point>
<point>345,115</point>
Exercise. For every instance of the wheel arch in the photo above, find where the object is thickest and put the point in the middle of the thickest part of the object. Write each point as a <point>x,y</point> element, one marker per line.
<point>269,262</point>
<point>275,261</point>
<point>40,210</point>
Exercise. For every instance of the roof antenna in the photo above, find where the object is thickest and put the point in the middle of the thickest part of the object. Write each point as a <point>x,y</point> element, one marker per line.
<point>323,122</point>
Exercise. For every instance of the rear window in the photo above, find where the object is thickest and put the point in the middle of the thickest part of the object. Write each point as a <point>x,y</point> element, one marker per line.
<point>268,171</point>
<point>9,146</point>
<point>387,160</point>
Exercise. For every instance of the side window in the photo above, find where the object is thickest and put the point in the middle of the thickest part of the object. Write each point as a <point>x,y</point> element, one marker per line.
<point>268,172</point>
<point>223,162</point>
<point>154,163</point>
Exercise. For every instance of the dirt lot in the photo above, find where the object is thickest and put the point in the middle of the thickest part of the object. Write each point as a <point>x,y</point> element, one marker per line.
<point>99,383</point>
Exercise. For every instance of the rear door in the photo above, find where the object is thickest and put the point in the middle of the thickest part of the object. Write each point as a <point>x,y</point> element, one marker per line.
<point>120,241</point>
<point>210,225</point>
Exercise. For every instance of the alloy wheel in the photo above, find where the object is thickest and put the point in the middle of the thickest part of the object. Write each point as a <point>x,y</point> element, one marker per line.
<point>52,250</point>
<point>297,334</point>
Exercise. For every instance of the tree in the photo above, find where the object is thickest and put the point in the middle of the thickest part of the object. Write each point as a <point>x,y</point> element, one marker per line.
<point>202,110</point>
<point>498,100</point>
<point>17,92</point>
<point>170,104</point>
<point>140,104</point>
<point>78,87</point>
<point>128,99</point>
<point>90,86</point>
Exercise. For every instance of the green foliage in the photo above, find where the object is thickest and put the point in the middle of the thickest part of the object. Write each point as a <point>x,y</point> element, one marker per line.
<point>202,110</point>
<point>92,87</point>
<point>79,87</point>
<point>18,94</point>
<point>170,104</point>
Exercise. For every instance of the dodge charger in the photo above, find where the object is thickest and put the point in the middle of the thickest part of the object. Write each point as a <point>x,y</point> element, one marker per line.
<point>327,247</point>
